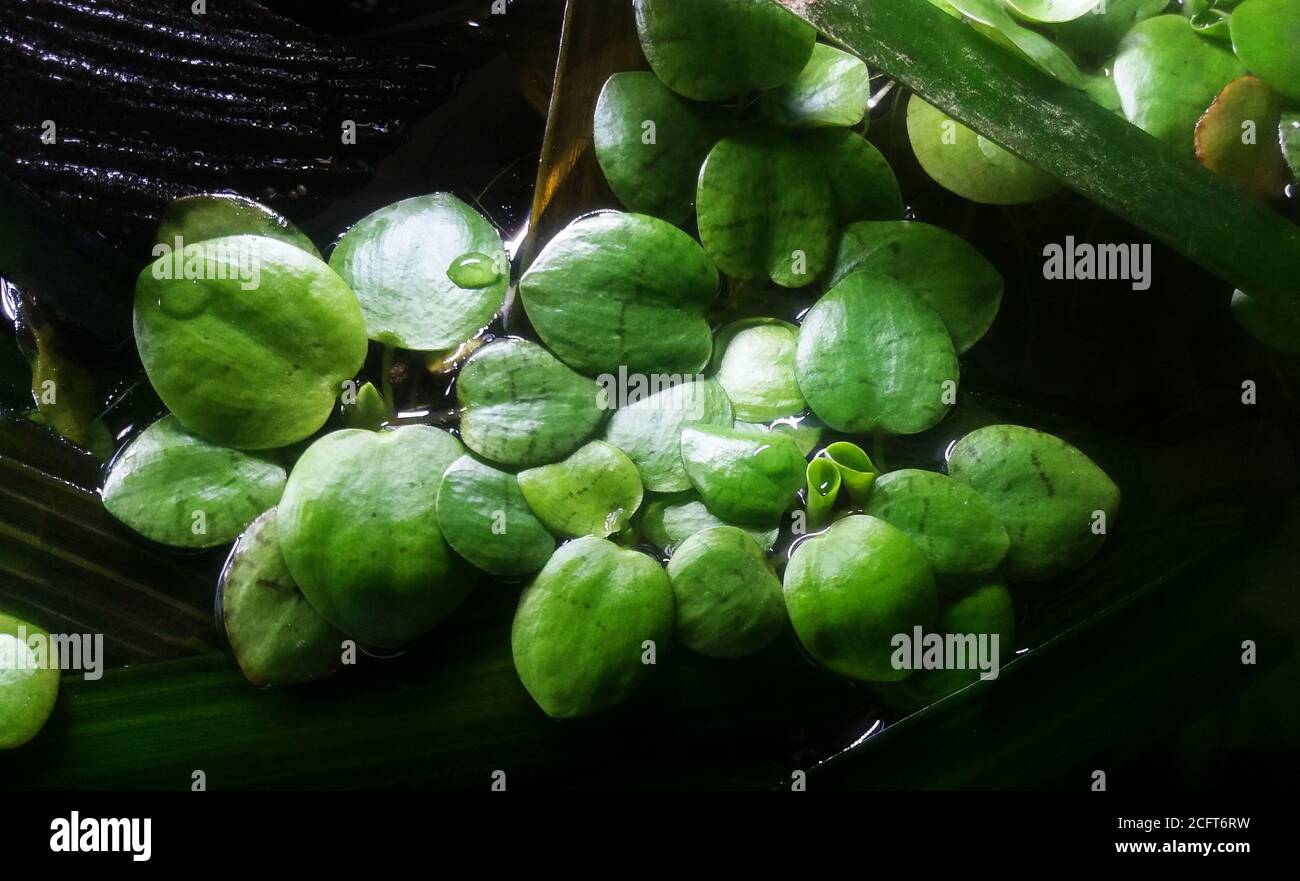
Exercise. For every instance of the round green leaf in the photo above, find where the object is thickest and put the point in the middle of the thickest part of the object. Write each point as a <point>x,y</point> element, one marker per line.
<point>1099,32</point>
<point>1167,76</point>
<point>521,407</point>
<point>593,492</point>
<point>851,589</point>
<point>873,356</point>
<point>484,517</point>
<point>970,165</point>
<point>277,637</point>
<point>729,602</point>
<point>832,90</point>
<point>1221,146</point>
<point>753,361</point>
<point>194,219</point>
<point>649,429</point>
<point>359,531</point>
<point>668,521</point>
<point>1047,494</point>
<point>715,49</point>
<point>580,633</point>
<point>1266,37</point>
<point>939,267</point>
<point>863,186</point>
<point>1273,329</point>
<point>401,260</point>
<point>956,529</point>
<point>984,611</point>
<point>1052,11</point>
<point>177,489</point>
<point>743,477</point>
<point>650,143</point>
<point>765,210</point>
<point>252,353</point>
<point>29,683</point>
<point>622,290</point>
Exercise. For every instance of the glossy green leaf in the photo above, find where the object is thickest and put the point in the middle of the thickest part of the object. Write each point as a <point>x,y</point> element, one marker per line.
<point>1167,76</point>
<point>277,637</point>
<point>622,290</point>
<point>939,267</point>
<point>484,517</point>
<point>177,489</point>
<point>753,361</point>
<point>1099,32</point>
<point>29,680</point>
<point>194,219</point>
<point>1276,331</point>
<point>404,263</point>
<point>593,492</point>
<point>667,521</point>
<point>1266,37</point>
<point>873,356</point>
<point>651,142</point>
<point>831,91</point>
<point>729,602</point>
<point>253,352</point>
<point>765,209</point>
<point>359,531</point>
<point>743,477</point>
<point>863,186</point>
<point>805,430</point>
<point>1222,145</point>
<point>1054,502</point>
<point>970,165</point>
<point>521,407</point>
<point>995,21</point>
<point>851,589</point>
<point>822,490</point>
<point>857,471</point>
<point>715,49</point>
<point>583,627</point>
<point>956,529</point>
<point>649,429</point>
<point>1052,11</point>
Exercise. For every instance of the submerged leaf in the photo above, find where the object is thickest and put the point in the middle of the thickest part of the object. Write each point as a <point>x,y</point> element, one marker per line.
<point>596,491</point>
<point>485,518</point>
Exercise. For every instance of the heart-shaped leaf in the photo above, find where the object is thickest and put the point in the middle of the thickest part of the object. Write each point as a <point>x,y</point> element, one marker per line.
<point>1273,329</point>
<point>622,290</point>
<point>649,430</point>
<point>650,143</point>
<point>729,602</point>
<point>1053,501</point>
<point>765,210</point>
<point>873,356</point>
<point>934,264</point>
<point>743,477</point>
<point>359,531</point>
<point>863,186</point>
<point>178,489</point>
<point>194,219</point>
<point>429,272</point>
<point>1167,76</point>
<point>832,90</point>
<point>667,521</point>
<point>29,685</point>
<point>521,407</point>
<point>484,517</point>
<point>823,490</point>
<point>753,361</point>
<point>277,637</point>
<point>956,529</point>
<point>970,165</point>
<point>1245,104</point>
<point>1266,37</point>
<point>1052,11</point>
<point>583,627</point>
<point>857,471</point>
<point>593,492</point>
<point>247,339</point>
<point>715,49</point>
<point>851,589</point>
